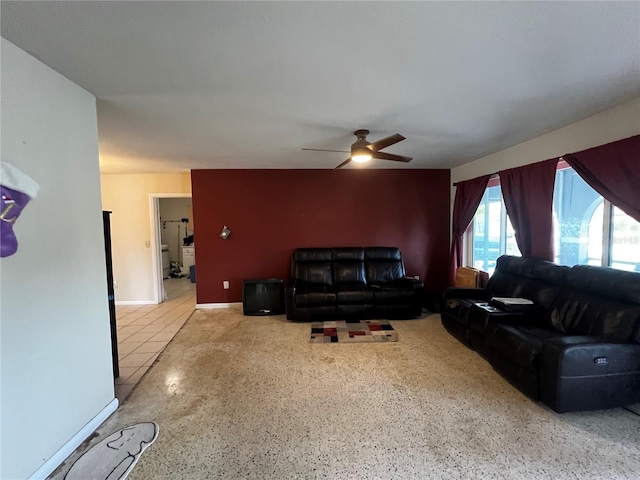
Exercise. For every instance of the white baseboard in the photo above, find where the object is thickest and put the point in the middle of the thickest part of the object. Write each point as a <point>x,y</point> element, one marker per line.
<point>218,305</point>
<point>67,449</point>
<point>135,302</point>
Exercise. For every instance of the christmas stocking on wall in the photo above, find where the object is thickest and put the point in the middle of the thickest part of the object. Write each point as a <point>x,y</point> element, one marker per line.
<point>16,189</point>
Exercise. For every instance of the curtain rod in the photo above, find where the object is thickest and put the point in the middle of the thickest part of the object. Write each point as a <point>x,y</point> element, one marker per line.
<point>455,184</point>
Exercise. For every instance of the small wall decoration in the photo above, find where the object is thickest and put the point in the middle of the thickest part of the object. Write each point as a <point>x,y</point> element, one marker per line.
<point>16,190</point>
<point>224,234</point>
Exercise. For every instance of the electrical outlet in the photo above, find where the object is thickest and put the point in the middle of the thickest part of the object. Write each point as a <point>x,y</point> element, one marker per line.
<point>225,285</point>
<point>147,244</point>
<point>115,284</point>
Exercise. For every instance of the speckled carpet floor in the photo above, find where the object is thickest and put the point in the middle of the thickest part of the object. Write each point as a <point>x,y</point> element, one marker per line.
<point>231,405</point>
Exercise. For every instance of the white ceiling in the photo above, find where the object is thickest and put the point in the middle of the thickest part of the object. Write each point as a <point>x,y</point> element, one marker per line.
<point>184,85</point>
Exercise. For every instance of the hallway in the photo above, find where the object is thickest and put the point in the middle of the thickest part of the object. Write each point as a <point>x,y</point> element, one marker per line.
<point>145,330</point>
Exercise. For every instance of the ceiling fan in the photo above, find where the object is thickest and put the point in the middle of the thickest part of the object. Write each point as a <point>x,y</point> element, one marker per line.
<point>362,150</point>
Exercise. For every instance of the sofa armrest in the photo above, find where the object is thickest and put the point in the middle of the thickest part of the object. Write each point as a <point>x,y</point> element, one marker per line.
<point>589,373</point>
<point>467,293</point>
<point>290,303</point>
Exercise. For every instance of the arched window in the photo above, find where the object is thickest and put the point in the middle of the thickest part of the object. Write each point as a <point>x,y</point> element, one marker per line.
<point>587,229</point>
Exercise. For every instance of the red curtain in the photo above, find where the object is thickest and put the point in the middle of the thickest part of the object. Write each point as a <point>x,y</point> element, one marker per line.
<point>468,196</point>
<point>612,170</point>
<point>528,198</point>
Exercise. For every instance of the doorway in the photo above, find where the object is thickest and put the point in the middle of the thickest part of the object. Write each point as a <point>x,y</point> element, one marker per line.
<point>172,243</point>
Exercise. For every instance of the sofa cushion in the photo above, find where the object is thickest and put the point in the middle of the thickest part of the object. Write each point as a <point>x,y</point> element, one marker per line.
<point>348,266</point>
<point>383,265</point>
<point>312,255</point>
<point>519,344</point>
<point>353,294</point>
<point>348,272</point>
<point>606,282</point>
<point>392,296</point>
<point>581,313</point>
<point>314,295</point>
<point>312,266</point>
<point>600,302</point>
<point>528,277</point>
<point>382,253</point>
<point>347,254</point>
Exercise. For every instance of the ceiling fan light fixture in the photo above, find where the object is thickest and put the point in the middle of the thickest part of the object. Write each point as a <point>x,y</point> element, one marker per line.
<point>361,154</point>
<point>363,151</point>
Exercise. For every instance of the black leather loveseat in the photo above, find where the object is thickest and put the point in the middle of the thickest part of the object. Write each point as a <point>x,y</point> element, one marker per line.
<point>351,283</point>
<point>577,348</point>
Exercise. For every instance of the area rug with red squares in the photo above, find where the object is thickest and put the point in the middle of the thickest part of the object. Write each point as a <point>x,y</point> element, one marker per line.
<point>355,331</point>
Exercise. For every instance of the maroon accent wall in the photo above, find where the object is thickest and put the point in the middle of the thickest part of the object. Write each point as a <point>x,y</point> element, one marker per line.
<point>272,212</point>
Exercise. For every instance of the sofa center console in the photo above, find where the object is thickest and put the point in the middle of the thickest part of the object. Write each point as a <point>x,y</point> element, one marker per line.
<point>489,308</point>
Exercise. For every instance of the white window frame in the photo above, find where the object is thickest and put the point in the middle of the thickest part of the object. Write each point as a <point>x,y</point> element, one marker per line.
<point>607,232</point>
<point>607,235</point>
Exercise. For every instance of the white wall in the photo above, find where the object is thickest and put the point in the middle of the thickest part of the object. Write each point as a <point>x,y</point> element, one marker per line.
<point>175,209</point>
<point>127,196</point>
<point>615,124</point>
<point>56,350</point>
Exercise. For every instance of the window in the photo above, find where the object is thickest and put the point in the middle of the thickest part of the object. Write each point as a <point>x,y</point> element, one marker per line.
<point>588,230</point>
<point>625,241</point>
<point>493,234</point>
<point>577,233</point>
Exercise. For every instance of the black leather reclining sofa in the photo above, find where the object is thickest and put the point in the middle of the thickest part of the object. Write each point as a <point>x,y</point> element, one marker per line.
<point>351,283</point>
<point>577,348</point>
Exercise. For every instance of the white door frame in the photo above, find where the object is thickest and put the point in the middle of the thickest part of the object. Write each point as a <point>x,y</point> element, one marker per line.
<point>156,251</point>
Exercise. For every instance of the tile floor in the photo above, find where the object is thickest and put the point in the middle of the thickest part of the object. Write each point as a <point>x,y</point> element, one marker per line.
<point>144,331</point>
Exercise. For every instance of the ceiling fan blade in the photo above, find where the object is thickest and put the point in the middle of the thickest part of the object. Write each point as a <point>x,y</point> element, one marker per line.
<point>343,163</point>
<point>391,156</point>
<point>385,142</point>
<point>323,150</point>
